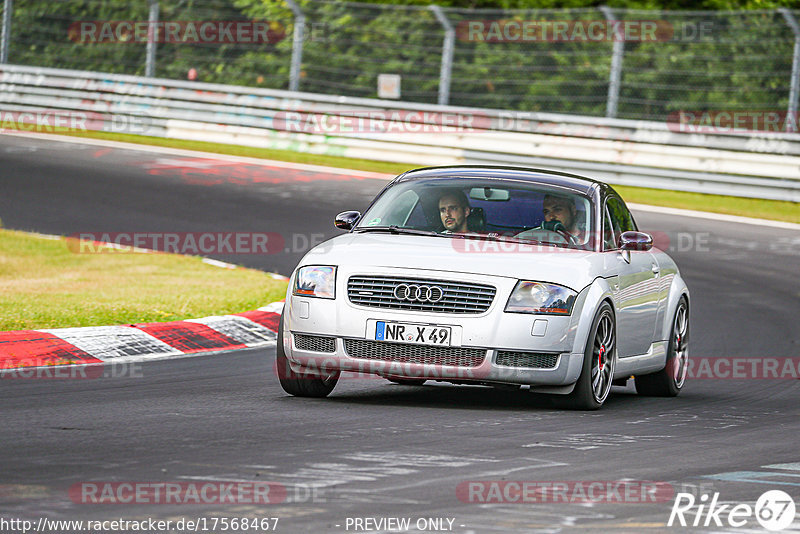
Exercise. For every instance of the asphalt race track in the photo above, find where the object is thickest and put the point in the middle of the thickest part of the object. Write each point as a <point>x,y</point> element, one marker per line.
<point>374,449</point>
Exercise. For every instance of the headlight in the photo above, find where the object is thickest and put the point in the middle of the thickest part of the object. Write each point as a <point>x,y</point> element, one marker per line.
<point>539,297</point>
<point>315,281</point>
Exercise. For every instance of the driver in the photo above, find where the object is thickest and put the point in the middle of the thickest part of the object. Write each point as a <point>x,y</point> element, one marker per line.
<point>454,210</point>
<point>561,216</point>
<point>556,209</point>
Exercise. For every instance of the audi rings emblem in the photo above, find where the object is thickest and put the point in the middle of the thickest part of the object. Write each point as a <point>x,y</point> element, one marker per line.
<point>413,292</point>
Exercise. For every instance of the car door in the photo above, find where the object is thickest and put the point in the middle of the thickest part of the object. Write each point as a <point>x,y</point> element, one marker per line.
<point>635,286</point>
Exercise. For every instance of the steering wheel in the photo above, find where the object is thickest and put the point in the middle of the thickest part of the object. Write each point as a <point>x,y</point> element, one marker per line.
<point>558,227</point>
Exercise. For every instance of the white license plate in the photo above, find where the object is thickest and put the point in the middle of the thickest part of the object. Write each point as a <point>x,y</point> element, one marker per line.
<point>412,333</point>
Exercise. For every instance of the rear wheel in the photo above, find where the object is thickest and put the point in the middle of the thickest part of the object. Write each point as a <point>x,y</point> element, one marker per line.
<point>301,384</point>
<point>669,381</point>
<point>599,361</point>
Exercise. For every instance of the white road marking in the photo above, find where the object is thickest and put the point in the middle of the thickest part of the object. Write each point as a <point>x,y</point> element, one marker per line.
<point>217,263</point>
<point>790,467</point>
<point>366,174</point>
<point>713,216</point>
<point>583,442</point>
<point>204,155</point>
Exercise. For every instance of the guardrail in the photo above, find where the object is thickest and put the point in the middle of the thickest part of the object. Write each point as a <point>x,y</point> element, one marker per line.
<point>639,153</point>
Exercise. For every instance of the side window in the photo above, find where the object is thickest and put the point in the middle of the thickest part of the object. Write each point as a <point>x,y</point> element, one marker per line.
<point>609,232</point>
<point>620,218</point>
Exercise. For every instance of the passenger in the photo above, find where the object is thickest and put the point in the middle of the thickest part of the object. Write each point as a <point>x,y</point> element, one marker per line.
<point>454,209</point>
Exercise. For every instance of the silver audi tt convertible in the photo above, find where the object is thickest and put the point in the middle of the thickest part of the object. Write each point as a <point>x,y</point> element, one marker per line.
<point>494,276</point>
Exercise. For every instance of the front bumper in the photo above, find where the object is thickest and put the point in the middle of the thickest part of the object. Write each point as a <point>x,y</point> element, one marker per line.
<point>484,338</point>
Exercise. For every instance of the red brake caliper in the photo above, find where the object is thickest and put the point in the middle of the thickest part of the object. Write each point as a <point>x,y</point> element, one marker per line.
<point>600,357</point>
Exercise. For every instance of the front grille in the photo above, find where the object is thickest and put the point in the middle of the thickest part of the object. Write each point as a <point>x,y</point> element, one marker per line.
<point>407,353</point>
<point>536,360</point>
<point>315,343</point>
<point>456,297</point>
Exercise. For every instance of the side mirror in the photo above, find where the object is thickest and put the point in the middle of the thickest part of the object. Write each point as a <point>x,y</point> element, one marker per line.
<point>347,220</point>
<point>635,241</point>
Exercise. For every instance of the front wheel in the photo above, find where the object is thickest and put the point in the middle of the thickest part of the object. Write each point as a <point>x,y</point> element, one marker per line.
<point>599,361</point>
<point>669,381</point>
<point>301,384</point>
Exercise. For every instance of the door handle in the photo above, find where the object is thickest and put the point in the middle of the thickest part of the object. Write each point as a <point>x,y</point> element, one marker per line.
<point>656,269</point>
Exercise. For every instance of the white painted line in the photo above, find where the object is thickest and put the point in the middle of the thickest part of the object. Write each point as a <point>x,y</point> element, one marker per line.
<point>790,467</point>
<point>217,263</point>
<point>51,237</point>
<point>755,477</point>
<point>366,174</point>
<point>200,154</point>
<point>713,216</point>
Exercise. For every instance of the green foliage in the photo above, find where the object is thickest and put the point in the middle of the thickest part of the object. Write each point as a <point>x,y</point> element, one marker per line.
<point>723,60</point>
<point>717,61</point>
<point>47,33</point>
<point>43,33</point>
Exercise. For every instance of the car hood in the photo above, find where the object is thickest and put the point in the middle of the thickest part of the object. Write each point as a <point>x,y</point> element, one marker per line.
<point>572,268</point>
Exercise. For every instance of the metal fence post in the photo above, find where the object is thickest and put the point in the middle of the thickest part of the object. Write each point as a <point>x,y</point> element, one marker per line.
<point>794,87</point>
<point>616,67</point>
<point>447,54</point>
<point>152,39</point>
<point>6,32</point>
<point>297,45</point>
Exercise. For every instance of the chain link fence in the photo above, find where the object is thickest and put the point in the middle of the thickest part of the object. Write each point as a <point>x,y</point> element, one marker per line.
<point>601,62</point>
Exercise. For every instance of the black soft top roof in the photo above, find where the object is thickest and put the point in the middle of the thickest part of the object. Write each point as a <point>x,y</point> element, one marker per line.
<point>542,176</point>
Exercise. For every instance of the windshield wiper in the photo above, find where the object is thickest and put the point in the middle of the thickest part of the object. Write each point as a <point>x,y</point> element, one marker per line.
<point>394,229</point>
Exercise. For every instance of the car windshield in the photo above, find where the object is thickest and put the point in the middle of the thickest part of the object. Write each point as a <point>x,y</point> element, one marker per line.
<point>483,209</point>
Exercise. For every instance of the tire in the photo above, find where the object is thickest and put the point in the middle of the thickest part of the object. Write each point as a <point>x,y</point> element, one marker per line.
<point>300,384</point>
<point>669,381</point>
<point>406,381</point>
<point>599,362</point>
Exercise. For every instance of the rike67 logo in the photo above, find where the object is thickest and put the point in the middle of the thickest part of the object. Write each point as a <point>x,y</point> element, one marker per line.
<point>774,510</point>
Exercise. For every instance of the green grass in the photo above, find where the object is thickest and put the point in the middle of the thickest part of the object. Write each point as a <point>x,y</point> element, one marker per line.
<point>46,285</point>
<point>777,210</point>
<point>746,207</point>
